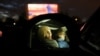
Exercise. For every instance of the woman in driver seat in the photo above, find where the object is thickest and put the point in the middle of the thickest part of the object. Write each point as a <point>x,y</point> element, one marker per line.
<point>45,35</point>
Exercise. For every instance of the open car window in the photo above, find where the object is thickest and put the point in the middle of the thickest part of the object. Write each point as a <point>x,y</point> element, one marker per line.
<point>53,32</point>
<point>58,32</point>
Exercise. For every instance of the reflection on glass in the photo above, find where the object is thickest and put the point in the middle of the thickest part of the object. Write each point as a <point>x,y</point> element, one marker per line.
<point>49,34</point>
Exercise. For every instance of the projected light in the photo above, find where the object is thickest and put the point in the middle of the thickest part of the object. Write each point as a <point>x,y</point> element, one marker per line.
<point>39,9</point>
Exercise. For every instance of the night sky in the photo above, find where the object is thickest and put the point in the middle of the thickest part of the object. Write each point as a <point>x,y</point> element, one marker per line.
<point>81,8</point>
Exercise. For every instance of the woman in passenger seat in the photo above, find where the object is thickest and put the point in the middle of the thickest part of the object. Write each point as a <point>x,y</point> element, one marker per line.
<point>62,38</point>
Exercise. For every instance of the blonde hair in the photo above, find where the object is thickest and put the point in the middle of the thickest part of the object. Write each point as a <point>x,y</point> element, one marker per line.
<point>62,31</point>
<point>44,32</point>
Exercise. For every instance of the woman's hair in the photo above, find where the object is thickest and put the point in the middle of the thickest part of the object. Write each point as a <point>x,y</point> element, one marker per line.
<point>44,32</point>
<point>62,31</point>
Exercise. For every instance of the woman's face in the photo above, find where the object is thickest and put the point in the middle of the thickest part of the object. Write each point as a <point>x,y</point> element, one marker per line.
<point>45,32</point>
<point>48,33</point>
<point>61,35</point>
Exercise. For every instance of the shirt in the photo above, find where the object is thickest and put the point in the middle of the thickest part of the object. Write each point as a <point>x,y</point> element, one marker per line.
<point>63,44</point>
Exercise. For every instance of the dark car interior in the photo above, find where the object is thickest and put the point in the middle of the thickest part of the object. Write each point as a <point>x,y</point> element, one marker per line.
<point>47,28</point>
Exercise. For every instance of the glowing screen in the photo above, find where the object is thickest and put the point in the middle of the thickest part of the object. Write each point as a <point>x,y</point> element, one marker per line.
<point>38,9</point>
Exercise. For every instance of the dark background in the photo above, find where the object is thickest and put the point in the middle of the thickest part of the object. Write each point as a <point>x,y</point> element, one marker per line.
<point>81,8</point>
